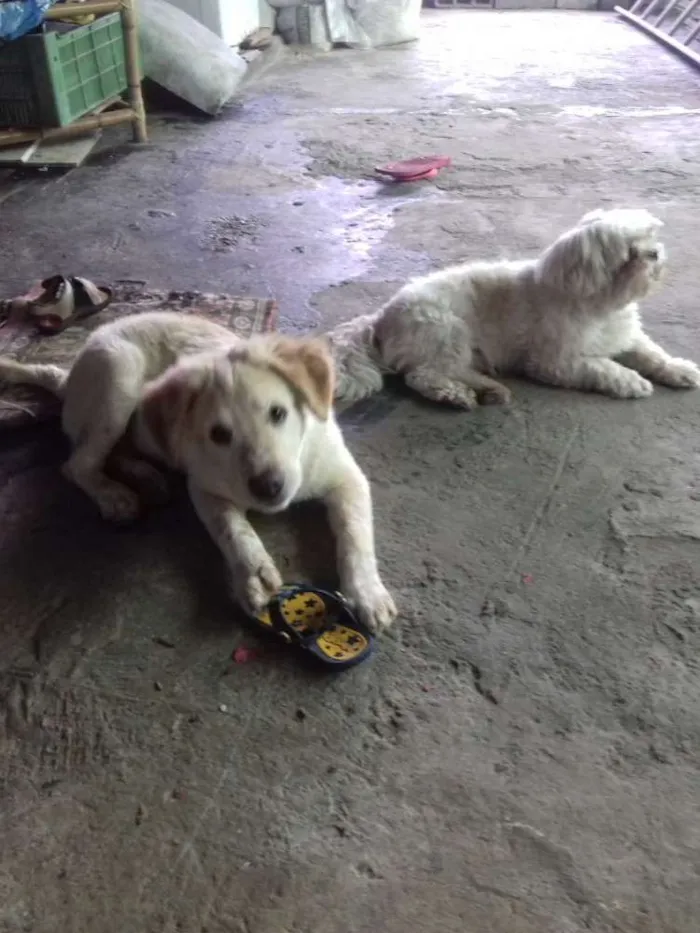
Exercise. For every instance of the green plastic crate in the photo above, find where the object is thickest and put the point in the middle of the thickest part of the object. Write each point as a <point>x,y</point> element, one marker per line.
<point>51,78</point>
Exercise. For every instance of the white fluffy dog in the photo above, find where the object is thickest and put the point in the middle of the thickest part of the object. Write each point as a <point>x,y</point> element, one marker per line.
<point>567,318</point>
<point>250,424</point>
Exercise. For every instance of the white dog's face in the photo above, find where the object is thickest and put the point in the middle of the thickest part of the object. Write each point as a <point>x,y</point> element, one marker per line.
<point>641,228</point>
<point>236,421</point>
<point>609,252</point>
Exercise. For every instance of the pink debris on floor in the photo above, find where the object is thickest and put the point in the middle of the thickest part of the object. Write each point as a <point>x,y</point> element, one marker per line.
<point>243,655</point>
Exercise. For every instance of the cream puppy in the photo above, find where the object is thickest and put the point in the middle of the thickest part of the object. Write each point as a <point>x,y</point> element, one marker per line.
<point>250,424</point>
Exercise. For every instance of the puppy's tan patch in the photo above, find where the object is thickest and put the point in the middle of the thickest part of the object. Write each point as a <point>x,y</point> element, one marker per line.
<point>307,365</point>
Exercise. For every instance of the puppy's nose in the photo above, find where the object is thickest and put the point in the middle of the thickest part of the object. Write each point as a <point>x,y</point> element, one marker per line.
<point>266,486</point>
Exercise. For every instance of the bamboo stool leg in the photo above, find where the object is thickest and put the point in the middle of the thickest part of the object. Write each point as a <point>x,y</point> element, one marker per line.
<point>133,71</point>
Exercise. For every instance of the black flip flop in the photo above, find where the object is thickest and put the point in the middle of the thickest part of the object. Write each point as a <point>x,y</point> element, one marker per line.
<point>318,622</point>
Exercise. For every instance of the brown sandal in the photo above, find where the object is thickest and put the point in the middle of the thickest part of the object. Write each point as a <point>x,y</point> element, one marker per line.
<point>65,300</point>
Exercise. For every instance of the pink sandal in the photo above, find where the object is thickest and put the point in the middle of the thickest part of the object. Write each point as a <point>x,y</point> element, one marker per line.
<point>415,169</point>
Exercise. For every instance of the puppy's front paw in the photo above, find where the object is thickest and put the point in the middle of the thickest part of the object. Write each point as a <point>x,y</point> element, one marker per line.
<point>680,374</point>
<point>119,505</point>
<point>253,589</point>
<point>374,605</point>
<point>632,385</point>
<point>150,483</point>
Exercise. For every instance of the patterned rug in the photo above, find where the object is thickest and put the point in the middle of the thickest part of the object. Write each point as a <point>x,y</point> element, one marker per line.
<point>20,406</point>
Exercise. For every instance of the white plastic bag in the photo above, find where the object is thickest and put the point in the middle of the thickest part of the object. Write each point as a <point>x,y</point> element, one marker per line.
<point>186,58</point>
<point>304,24</point>
<point>366,24</point>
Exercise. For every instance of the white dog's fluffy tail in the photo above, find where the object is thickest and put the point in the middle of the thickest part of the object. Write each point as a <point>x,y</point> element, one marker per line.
<point>358,366</point>
<point>44,375</point>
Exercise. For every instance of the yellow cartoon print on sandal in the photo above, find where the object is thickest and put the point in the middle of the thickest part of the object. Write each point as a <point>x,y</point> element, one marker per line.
<point>319,622</point>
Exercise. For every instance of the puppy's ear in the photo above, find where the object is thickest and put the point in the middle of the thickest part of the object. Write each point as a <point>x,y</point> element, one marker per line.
<point>168,402</point>
<point>308,366</point>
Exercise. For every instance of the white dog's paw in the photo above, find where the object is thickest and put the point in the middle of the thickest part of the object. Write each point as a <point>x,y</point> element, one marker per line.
<point>680,374</point>
<point>118,504</point>
<point>494,395</point>
<point>631,385</point>
<point>436,387</point>
<point>457,395</point>
<point>253,589</point>
<point>374,604</point>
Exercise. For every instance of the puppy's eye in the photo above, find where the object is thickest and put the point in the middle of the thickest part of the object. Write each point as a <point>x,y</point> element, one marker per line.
<point>277,414</point>
<point>220,434</point>
<point>653,254</point>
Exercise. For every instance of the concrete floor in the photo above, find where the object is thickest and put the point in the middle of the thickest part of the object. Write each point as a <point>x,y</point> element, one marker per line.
<point>522,755</point>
